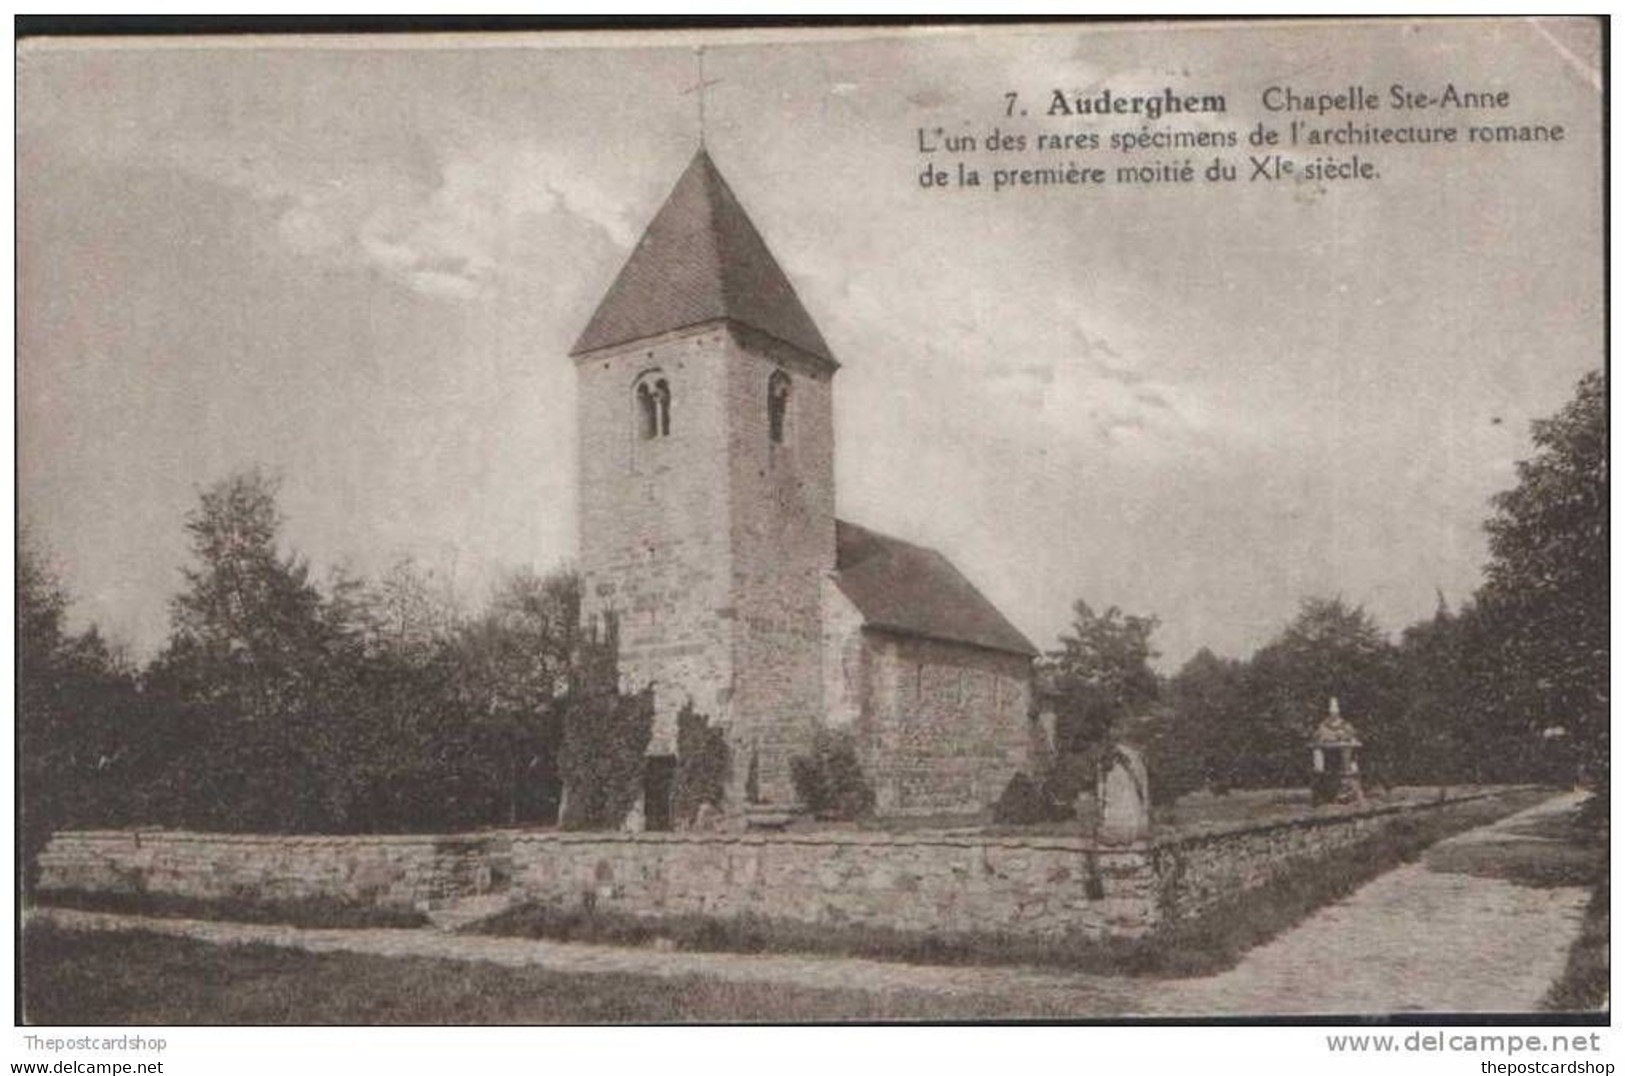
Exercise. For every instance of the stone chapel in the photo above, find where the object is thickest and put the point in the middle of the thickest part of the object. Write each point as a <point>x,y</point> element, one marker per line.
<point>708,533</point>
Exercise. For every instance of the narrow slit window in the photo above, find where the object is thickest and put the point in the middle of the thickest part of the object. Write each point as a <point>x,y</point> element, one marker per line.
<point>663,406</point>
<point>648,419</point>
<point>778,405</point>
<point>653,397</point>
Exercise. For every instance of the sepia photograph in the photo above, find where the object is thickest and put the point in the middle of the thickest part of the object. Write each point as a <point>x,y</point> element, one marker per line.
<point>1009,522</point>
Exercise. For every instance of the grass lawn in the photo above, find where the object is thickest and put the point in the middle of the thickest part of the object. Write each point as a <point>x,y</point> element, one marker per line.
<point>1553,850</point>
<point>1584,985</point>
<point>1200,809</point>
<point>141,978</point>
<point>317,913</point>
<point>1215,942</point>
<point>1542,852</point>
<point>1556,851</point>
<point>1195,811</point>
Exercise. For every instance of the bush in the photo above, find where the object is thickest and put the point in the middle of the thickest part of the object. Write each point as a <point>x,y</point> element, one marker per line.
<point>830,782</point>
<point>606,736</point>
<point>1022,803</point>
<point>703,766</point>
<point>1072,774</point>
<point>605,739</point>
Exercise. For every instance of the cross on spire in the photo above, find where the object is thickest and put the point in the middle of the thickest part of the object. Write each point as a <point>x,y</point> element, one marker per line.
<point>699,88</point>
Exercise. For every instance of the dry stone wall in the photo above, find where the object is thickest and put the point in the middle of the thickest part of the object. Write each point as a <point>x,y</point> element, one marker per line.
<point>387,872</point>
<point>937,882</point>
<point>1197,870</point>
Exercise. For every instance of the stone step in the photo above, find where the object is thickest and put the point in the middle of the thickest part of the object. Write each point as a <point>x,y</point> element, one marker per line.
<point>770,816</point>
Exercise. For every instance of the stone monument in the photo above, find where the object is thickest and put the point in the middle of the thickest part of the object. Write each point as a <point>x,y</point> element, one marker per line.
<point>1334,754</point>
<point>1124,792</point>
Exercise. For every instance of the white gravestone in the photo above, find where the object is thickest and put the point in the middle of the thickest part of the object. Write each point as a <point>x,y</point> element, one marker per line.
<point>1125,797</point>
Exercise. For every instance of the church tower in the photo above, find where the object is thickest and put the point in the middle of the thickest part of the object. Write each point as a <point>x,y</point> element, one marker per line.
<point>706,477</point>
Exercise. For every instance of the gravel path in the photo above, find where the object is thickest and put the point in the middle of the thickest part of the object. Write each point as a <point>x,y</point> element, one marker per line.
<point>1413,939</point>
<point>1086,995</point>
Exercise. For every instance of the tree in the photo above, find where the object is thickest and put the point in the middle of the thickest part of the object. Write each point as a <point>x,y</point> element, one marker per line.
<point>1545,593</point>
<point>276,706</point>
<point>75,700</point>
<point>245,601</point>
<point>247,668</point>
<point>512,676</point>
<point>1101,674</point>
<point>41,608</point>
<point>1207,699</point>
<point>1455,725</point>
<point>1330,649</point>
<point>406,612</point>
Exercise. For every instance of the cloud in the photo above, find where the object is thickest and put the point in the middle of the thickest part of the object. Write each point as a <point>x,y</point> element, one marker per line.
<point>441,224</point>
<point>1053,381</point>
<point>454,239</point>
<point>1073,387</point>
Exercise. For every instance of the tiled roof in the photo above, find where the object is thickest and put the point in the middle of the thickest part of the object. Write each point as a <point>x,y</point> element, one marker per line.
<point>1335,731</point>
<point>701,260</point>
<point>906,588</point>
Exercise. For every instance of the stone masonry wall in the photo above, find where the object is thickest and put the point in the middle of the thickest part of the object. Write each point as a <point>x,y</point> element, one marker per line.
<point>396,873</point>
<point>930,883</point>
<point>652,552</point>
<point>710,545</point>
<point>935,882</point>
<point>782,534</point>
<point>845,659</point>
<point>947,724</point>
<point>1197,870</point>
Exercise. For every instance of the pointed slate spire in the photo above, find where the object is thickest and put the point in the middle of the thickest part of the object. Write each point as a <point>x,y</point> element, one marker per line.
<point>701,260</point>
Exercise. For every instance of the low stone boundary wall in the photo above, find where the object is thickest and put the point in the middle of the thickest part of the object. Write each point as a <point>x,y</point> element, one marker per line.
<point>1199,869</point>
<point>937,882</point>
<point>391,872</point>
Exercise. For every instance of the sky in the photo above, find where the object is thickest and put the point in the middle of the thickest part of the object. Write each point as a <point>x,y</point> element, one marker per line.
<point>360,266</point>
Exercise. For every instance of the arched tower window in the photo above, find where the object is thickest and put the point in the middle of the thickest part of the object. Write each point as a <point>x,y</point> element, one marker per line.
<point>778,405</point>
<point>653,397</point>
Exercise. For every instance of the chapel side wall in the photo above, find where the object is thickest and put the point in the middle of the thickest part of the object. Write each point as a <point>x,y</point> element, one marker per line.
<point>651,548</point>
<point>782,530</point>
<point>950,723</point>
<point>847,682</point>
